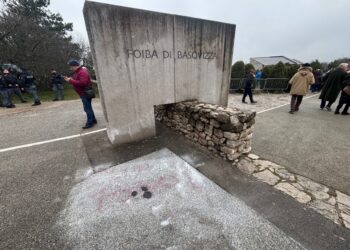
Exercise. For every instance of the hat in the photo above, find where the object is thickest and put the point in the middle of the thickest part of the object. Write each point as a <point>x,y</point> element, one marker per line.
<point>6,71</point>
<point>73,62</point>
<point>306,65</point>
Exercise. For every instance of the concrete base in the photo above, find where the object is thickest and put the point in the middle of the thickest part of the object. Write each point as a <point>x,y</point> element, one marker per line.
<point>159,201</point>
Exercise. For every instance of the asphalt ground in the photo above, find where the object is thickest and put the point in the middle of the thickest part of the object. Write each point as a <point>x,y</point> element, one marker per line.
<point>312,142</point>
<point>36,181</point>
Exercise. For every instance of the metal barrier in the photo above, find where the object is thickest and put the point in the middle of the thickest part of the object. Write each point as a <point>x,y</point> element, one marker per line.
<point>268,84</point>
<point>235,84</point>
<point>275,84</point>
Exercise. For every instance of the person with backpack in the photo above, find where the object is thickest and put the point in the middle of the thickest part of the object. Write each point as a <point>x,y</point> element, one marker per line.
<point>300,84</point>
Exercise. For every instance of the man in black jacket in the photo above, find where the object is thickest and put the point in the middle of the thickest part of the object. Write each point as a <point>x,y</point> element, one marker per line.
<point>9,82</point>
<point>248,84</point>
<point>28,81</point>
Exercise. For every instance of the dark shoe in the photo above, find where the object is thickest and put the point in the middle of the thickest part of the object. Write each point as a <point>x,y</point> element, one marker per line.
<point>11,106</point>
<point>291,112</point>
<point>88,126</point>
<point>254,102</point>
<point>336,113</point>
<point>347,113</point>
<point>55,100</point>
<point>296,110</point>
<point>244,102</point>
<point>36,103</point>
<point>328,109</point>
<point>95,122</point>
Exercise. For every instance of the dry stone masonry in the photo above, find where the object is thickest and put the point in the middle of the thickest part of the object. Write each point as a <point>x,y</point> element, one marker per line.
<point>225,131</point>
<point>331,203</point>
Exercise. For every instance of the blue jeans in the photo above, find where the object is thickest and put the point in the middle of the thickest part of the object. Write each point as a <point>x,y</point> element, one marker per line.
<point>91,119</point>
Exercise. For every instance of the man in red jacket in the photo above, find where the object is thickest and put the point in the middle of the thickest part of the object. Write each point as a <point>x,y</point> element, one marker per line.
<point>81,82</point>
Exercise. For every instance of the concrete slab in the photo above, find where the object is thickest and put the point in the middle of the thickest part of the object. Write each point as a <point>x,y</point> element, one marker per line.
<point>312,143</point>
<point>159,201</point>
<point>145,58</point>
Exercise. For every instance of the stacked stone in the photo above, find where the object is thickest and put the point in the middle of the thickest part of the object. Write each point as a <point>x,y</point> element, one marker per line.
<point>225,131</point>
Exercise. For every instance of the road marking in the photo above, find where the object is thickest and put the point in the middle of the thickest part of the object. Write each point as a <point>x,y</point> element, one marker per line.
<point>52,140</point>
<point>266,110</point>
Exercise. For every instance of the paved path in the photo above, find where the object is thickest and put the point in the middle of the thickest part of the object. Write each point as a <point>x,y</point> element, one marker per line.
<point>312,143</point>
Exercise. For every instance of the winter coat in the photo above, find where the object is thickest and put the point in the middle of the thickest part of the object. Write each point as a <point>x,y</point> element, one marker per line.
<point>248,81</point>
<point>80,80</point>
<point>10,81</point>
<point>333,84</point>
<point>344,96</point>
<point>56,79</point>
<point>301,81</point>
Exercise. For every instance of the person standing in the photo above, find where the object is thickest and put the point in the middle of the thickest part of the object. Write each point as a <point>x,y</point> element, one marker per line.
<point>57,86</point>
<point>5,94</point>
<point>9,83</point>
<point>344,98</point>
<point>248,84</point>
<point>28,81</point>
<point>300,84</point>
<point>332,87</point>
<point>315,88</point>
<point>82,84</point>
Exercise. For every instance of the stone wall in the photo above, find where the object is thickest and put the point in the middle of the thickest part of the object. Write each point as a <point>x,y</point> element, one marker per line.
<point>225,131</point>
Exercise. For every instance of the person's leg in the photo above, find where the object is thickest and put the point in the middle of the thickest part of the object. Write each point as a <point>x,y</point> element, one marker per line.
<point>88,110</point>
<point>55,92</point>
<point>17,92</point>
<point>9,98</point>
<point>61,92</point>
<point>292,103</point>
<point>346,109</point>
<point>340,105</point>
<point>245,94</point>
<point>323,104</point>
<point>32,90</point>
<point>328,107</point>
<point>4,97</point>
<point>250,93</point>
<point>298,102</point>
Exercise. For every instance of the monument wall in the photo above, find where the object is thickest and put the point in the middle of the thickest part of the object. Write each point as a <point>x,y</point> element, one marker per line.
<point>145,58</point>
<point>224,131</point>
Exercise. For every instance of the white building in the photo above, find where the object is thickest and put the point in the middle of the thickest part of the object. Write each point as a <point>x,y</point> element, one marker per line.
<point>261,62</point>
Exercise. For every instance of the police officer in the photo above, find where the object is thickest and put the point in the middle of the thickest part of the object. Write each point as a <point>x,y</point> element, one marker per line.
<point>3,93</point>
<point>28,81</point>
<point>57,85</point>
<point>17,89</point>
<point>9,84</point>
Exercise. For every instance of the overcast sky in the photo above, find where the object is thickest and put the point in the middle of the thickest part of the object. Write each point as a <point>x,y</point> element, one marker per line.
<point>300,29</point>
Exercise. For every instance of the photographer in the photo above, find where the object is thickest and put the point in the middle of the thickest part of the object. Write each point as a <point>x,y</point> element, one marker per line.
<point>82,84</point>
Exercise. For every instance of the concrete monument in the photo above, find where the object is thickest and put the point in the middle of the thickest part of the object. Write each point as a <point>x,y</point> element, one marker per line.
<point>145,58</point>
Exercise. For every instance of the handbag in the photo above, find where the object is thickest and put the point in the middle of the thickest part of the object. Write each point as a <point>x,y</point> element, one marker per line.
<point>89,92</point>
<point>347,90</point>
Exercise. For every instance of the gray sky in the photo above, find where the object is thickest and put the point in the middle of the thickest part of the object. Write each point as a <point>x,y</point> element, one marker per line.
<point>300,29</point>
